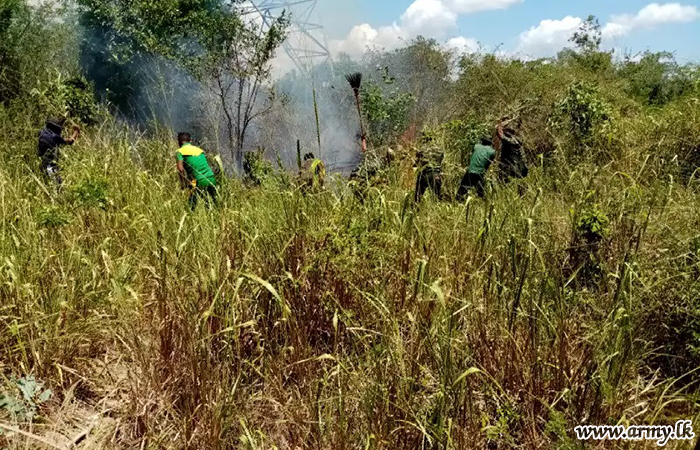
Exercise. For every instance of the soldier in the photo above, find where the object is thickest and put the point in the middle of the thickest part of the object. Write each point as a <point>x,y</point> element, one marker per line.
<point>512,163</point>
<point>313,173</point>
<point>429,164</point>
<point>49,150</point>
<point>481,160</point>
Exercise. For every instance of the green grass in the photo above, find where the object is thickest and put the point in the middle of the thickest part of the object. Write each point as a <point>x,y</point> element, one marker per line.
<point>291,321</point>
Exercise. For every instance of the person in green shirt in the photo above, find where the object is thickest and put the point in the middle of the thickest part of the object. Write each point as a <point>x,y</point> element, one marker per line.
<point>481,160</point>
<point>195,172</point>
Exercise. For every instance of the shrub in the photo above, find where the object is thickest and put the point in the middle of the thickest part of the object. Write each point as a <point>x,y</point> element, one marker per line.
<point>257,170</point>
<point>71,97</point>
<point>53,217</point>
<point>591,228</point>
<point>386,109</point>
<point>584,113</point>
<point>91,192</point>
<point>22,402</point>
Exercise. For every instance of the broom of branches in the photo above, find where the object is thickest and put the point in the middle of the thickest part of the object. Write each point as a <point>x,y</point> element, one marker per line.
<point>318,123</point>
<point>355,80</point>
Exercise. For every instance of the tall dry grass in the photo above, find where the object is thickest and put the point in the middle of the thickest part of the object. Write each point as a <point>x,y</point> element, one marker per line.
<point>284,320</point>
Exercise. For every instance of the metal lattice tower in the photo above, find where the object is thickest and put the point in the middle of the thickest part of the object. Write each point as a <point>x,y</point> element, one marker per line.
<point>304,42</point>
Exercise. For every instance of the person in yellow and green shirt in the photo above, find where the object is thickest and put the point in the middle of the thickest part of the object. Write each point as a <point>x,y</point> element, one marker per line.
<point>195,172</point>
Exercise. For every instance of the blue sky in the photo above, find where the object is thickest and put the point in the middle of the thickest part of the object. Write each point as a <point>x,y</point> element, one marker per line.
<point>529,28</point>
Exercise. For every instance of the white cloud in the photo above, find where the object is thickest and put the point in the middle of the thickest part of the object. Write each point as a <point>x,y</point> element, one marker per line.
<point>463,45</point>
<point>651,16</point>
<point>548,37</point>
<point>429,18</point>
<point>363,36</point>
<point>472,6</point>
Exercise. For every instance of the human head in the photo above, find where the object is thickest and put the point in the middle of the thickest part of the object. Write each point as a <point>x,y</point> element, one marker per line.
<point>55,124</point>
<point>486,140</point>
<point>510,125</point>
<point>308,156</point>
<point>184,138</point>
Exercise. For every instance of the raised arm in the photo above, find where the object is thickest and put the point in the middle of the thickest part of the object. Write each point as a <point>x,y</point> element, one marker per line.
<point>76,133</point>
<point>501,133</point>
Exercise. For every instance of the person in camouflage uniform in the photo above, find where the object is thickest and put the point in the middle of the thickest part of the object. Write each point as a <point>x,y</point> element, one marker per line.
<point>367,174</point>
<point>512,162</point>
<point>429,163</point>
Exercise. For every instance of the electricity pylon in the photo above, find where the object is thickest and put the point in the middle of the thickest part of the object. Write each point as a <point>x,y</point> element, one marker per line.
<point>304,43</point>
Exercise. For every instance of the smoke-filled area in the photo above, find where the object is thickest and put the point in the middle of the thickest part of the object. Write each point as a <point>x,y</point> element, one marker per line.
<point>149,91</point>
<point>313,106</point>
<point>306,105</point>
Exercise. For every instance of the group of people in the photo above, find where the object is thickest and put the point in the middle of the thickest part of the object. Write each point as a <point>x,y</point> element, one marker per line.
<point>196,174</point>
<point>512,163</point>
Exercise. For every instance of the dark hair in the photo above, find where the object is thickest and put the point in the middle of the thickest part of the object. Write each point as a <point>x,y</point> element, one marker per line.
<point>184,137</point>
<point>308,156</point>
<point>486,140</point>
<point>55,124</point>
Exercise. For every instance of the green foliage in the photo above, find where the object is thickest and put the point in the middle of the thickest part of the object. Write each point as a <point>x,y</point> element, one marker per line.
<point>26,57</point>
<point>24,407</point>
<point>173,28</point>
<point>589,36</point>
<point>11,11</point>
<point>657,79</point>
<point>53,217</point>
<point>586,114</point>
<point>588,55</point>
<point>91,192</point>
<point>592,225</point>
<point>591,228</point>
<point>256,168</point>
<point>460,137</point>
<point>556,427</point>
<point>121,38</point>
<point>422,69</point>
<point>501,431</point>
<point>71,98</point>
<point>386,110</point>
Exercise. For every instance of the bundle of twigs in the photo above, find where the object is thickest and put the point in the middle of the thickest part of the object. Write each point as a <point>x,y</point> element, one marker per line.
<point>355,80</point>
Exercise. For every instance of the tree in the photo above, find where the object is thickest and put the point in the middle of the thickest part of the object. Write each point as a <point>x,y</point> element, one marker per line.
<point>10,12</point>
<point>656,78</point>
<point>423,68</point>
<point>589,36</point>
<point>209,39</point>
<point>236,70</point>
<point>588,40</point>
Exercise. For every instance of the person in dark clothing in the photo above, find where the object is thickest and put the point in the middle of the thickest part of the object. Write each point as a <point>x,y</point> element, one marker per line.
<point>512,163</point>
<point>50,143</point>
<point>481,160</point>
<point>429,163</point>
<point>372,171</point>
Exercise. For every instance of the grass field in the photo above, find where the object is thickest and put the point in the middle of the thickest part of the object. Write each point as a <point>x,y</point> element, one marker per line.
<point>299,320</point>
<point>284,320</point>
